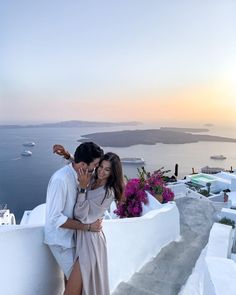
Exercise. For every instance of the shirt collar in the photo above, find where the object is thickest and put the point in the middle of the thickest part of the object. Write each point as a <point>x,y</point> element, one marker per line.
<point>74,173</point>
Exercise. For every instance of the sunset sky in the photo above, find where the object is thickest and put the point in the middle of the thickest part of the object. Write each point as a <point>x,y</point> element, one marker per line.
<point>116,60</point>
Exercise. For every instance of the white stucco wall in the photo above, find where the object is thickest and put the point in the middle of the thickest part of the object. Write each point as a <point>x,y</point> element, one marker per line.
<point>214,273</point>
<point>179,189</point>
<point>220,241</point>
<point>37,216</point>
<point>221,276</point>
<point>132,242</point>
<point>28,268</point>
<point>228,213</point>
<point>26,264</point>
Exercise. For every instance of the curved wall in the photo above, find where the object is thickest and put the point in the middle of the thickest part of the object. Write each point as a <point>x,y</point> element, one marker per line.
<point>28,267</point>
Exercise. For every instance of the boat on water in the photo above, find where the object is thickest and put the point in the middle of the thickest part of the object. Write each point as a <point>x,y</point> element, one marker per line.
<point>26,153</point>
<point>132,160</point>
<point>29,143</point>
<point>218,157</point>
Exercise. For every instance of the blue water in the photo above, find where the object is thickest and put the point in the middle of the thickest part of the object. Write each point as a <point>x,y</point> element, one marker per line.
<point>23,180</point>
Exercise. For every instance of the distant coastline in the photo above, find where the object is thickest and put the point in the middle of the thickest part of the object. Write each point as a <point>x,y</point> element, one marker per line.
<point>73,124</point>
<point>185,129</point>
<point>128,138</point>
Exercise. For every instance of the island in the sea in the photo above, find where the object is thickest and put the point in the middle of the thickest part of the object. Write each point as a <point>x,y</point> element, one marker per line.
<point>209,125</point>
<point>185,129</point>
<point>127,138</point>
<point>73,124</point>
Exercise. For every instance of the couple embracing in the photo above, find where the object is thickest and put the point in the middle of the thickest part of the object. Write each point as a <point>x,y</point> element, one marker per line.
<point>77,197</point>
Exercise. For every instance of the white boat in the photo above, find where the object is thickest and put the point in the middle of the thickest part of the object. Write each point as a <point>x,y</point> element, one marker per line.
<point>218,157</point>
<point>26,153</point>
<point>29,143</point>
<point>132,160</point>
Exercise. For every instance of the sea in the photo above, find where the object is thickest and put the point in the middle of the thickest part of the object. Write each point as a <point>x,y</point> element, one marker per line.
<point>24,180</point>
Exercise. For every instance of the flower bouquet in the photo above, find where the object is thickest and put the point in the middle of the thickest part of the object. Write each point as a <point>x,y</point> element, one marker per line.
<point>135,195</point>
<point>156,186</point>
<point>135,192</point>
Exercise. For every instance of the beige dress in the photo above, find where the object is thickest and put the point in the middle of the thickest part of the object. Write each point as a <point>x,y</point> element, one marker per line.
<point>91,247</point>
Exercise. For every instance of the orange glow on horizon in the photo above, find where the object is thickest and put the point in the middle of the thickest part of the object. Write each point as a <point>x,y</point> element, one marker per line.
<point>202,103</point>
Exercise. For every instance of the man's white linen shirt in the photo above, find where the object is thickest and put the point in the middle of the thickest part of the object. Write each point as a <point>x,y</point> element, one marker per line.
<point>61,197</point>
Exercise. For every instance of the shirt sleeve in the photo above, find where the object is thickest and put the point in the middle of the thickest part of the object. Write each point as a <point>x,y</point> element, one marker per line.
<point>56,198</point>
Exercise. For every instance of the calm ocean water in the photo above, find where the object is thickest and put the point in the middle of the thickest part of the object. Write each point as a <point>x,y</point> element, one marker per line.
<point>23,180</point>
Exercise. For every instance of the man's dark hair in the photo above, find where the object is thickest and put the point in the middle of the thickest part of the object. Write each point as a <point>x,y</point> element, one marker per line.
<point>87,152</point>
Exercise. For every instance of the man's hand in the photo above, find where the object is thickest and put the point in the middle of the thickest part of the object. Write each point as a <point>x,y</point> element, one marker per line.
<point>96,226</point>
<point>60,150</point>
<point>77,225</point>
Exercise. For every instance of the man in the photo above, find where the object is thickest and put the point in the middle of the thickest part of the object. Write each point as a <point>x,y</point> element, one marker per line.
<point>62,192</point>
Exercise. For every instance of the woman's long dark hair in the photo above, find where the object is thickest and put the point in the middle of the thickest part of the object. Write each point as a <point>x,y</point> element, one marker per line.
<point>116,179</point>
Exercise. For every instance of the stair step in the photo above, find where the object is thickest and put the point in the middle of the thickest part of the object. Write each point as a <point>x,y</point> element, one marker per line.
<point>169,270</point>
<point>174,262</point>
<point>128,289</point>
<point>154,284</point>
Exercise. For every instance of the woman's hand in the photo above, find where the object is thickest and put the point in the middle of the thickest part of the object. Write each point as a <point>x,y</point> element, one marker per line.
<point>60,150</point>
<point>83,178</point>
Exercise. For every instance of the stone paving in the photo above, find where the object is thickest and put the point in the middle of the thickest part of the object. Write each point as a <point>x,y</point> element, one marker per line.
<point>169,270</point>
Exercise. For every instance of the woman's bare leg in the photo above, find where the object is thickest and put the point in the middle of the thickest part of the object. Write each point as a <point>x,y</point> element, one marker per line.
<point>74,283</point>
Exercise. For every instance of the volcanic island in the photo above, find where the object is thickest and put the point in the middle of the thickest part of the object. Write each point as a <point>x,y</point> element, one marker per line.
<point>163,135</point>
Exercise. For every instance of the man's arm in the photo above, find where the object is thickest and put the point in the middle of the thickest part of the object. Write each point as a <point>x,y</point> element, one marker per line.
<point>77,225</point>
<point>56,203</point>
<point>60,150</point>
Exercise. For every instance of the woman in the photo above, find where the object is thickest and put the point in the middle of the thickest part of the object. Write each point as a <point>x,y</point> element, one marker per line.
<point>90,274</point>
